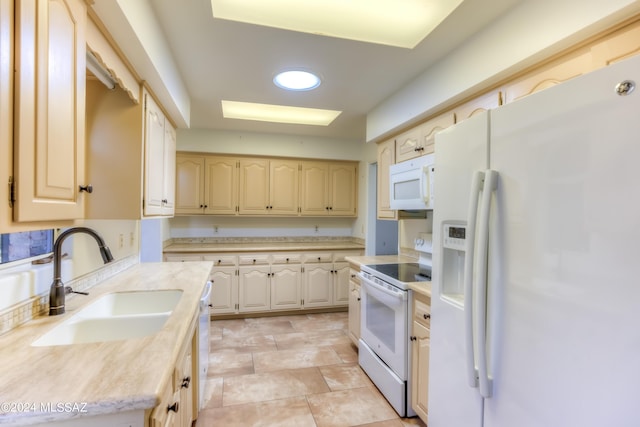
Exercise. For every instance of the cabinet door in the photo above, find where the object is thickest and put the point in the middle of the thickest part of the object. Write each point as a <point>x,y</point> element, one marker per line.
<point>224,290</point>
<point>169,170</point>
<point>314,189</point>
<point>286,286</point>
<point>386,158</point>
<point>159,162</point>
<point>254,186</point>
<point>341,277</point>
<point>354,312</point>
<point>420,370</point>
<point>189,184</point>
<point>408,145</point>
<point>429,129</point>
<point>318,281</point>
<point>344,183</point>
<point>283,187</point>
<point>254,293</point>
<point>49,135</point>
<point>185,382</point>
<point>221,185</point>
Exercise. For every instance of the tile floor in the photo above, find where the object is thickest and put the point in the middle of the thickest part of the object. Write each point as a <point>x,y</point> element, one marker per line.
<point>298,371</point>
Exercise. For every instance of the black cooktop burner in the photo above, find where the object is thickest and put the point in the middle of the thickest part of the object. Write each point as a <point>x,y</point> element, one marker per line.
<point>405,272</point>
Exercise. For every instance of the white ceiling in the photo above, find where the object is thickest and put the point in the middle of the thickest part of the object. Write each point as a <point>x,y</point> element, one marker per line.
<point>220,59</point>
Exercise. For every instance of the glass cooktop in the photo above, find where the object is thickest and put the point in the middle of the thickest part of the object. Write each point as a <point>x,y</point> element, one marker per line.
<point>405,272</point>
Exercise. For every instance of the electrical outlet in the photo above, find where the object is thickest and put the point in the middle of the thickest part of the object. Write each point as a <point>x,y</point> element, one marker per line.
<point>316,228</point>
<point>132,239</point>
<point>120,240</point>
<point>215,228</point>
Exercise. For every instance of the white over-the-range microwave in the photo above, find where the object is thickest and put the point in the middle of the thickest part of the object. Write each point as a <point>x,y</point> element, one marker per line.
<point>411,183</point>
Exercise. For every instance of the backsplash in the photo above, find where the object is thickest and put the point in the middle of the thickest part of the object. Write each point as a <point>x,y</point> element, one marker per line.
<point>38,305</point>
<point>280,239</point>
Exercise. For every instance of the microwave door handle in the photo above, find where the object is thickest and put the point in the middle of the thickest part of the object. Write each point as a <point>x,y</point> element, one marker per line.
<point>424,181</point>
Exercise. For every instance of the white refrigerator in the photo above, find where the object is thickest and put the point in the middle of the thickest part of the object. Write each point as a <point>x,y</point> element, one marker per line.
<point>536,278</point>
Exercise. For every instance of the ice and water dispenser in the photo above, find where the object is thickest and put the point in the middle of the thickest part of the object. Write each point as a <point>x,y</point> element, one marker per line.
<point>454,234</point>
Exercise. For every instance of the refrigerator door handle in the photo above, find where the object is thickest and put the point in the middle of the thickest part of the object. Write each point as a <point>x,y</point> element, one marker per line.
<point>480,321</point>
<point>477,183</point>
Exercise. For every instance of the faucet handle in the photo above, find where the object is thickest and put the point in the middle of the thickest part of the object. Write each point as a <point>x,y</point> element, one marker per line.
<point>69,290</point>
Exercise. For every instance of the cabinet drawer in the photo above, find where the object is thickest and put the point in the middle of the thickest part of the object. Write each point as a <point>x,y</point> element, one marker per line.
<point>222,260</point>
<point>319,257</point>
<point>286,259</point>
<point>255,259</point>
<point>422,313</point>
<point>166,409</point>
<point>182,257</point>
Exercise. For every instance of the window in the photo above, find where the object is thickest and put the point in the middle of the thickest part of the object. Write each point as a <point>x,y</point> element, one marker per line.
<point>26,244</point>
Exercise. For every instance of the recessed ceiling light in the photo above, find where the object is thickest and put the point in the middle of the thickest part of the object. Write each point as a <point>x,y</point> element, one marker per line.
<point>390,22</point>
<point>296,80</point>
<point>278,113</point>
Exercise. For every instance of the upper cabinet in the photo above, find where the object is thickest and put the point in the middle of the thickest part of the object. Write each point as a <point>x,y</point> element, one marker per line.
<point>220,185</point>
<point>386,158</point>
<point>160,161</point>
<point>328,189</point>
<point>49,136</point>
<point>268,186</point>
<point>420,140</point>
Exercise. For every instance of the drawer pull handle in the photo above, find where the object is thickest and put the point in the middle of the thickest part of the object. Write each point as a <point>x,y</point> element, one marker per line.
<point>173,408</point>
<point>426,316</point>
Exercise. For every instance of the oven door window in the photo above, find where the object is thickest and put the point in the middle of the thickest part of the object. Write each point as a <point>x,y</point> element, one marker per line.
<point>384,326</point>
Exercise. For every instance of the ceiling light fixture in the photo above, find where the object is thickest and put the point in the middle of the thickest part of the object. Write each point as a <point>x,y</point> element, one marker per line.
<point>297,80</point>
<point>278,113</point>
<point>388,22</point>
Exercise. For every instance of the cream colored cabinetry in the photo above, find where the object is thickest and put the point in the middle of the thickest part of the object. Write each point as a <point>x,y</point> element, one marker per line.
<point>326,279</point>
<point>328,189</point>
<point>160,161</point>
<point>49,108</point>
<point>408,145</point>
<point>220,185</point>
<point>286,279</point>
<point>420,343</point>
<point>318,279</point>
<point>420,140</point>
<point>176,407</point>
<point>260,282</point>
<point>478,105</point>
<point>189,184</point>
<point>386,158</point>
<point>253,283</point>
<point>354,305</point>
<point>224,283</point>
<point>268,187</point>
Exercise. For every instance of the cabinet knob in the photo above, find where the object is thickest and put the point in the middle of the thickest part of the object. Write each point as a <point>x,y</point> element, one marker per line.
<point>173,408</point>
<point>87,188</point>
<point>287,259</point>
<point>426,316</point>
<point>412,338</point>
<point>358,298</point>
<point>185,382</point>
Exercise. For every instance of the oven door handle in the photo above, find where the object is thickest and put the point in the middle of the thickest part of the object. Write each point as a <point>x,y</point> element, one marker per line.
<point>389,297</point>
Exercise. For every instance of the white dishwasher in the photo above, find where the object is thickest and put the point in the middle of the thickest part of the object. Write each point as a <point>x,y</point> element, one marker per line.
<point>203,344</point>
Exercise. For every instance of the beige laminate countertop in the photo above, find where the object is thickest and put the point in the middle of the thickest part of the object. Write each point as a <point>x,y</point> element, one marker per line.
<point>423,288</point>
<point>106,377</point>
<point>275,246</point>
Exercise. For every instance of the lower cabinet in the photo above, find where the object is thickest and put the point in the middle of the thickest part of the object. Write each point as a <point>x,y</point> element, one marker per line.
<point>354,306</point>
<point>178,399</point>
<point>420,344</point>
<point>261,282</point>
